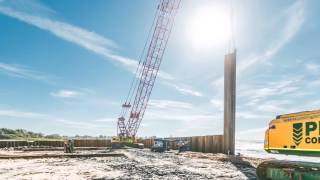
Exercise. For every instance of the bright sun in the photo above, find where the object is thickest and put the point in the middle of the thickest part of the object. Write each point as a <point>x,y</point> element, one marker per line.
<point>209,28</point>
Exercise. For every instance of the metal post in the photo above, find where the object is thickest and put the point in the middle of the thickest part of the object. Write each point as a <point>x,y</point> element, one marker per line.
<point>229,103</point>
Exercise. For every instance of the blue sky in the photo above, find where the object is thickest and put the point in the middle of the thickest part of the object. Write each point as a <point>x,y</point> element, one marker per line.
<point>66,66</point>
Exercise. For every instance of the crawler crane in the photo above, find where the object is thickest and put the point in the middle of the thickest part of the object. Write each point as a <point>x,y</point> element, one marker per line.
<point>135,105</point>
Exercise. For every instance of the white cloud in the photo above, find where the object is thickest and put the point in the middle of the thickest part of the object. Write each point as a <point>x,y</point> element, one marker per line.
<point>314,83</point>
<point>186,91</point>
<point>254,94</point>
<point>295,17</point>
<point>183,89</point>
<point>252,134</point>
<point>312,67</point>
<point>20,114</point>
<point>178,111</point>
<point>144,125</point>
<point>23,115</point>
<point>106,120</point>
<point>217,104</point>
<point>179,116</point>
<point>252,130</point>
<point>190,119</point>
<point>20,71</point>
<point>77,124</point>
<point>168,104</point>
<point>282,88</point>
<point>77,35</point>
<point>270,108</point>
<point>86,39</point>
<point>165,76</point>
<point>218,82</point>
<point>66,93</point>
<point>249,115</point>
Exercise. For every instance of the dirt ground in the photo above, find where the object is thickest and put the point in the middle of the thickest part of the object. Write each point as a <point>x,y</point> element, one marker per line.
<point>136,164</point>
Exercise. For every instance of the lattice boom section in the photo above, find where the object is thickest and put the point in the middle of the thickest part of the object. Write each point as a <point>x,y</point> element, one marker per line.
<point>166,13</point>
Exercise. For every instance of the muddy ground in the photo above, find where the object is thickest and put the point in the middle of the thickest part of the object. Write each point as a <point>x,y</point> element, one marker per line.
<point>136,164</point>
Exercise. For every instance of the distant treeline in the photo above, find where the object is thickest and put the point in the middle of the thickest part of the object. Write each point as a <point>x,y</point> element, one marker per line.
<point>24,134</point>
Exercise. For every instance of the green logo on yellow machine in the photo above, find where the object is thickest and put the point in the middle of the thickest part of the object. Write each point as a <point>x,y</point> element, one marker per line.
<point>310,136</point>
<point>297,133</point>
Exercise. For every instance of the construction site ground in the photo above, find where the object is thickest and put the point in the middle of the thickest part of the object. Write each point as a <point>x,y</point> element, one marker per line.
<point>133,164</point>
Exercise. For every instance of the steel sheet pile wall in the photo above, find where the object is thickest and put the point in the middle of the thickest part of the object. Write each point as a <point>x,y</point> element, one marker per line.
<point>4,144</point>
<point>207,144</point>
<point>92,143</point>
<point>57,143</point>
<point>147,142</point>
<point>19,143</point>
<point>173,145</point>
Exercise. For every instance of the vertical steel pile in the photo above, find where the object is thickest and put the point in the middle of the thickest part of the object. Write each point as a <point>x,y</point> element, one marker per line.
<point>229,102</point>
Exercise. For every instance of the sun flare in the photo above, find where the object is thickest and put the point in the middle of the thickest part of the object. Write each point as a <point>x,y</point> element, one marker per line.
<point>210,27</point>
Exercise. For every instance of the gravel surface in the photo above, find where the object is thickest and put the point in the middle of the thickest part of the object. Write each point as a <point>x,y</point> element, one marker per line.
<point>137,164</point>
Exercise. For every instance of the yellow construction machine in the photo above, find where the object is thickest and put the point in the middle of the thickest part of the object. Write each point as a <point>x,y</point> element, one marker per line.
<point>292,134</point>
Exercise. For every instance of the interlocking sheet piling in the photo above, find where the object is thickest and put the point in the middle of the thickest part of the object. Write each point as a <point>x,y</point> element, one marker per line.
<point>37,156</point>
<point>55,143</point>
<point>60,148</point>
<point>205,144</point>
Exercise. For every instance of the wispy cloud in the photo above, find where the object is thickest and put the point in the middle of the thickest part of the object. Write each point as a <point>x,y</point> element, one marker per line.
<point>252,130</point>
<point>217,103</point>
<point>275,88</point>
<point>249,115</point>
<point>295,15</point>
<point>169,104</point>
<point>187,91</point>
<point>20,114</point>
<point>78,124</point>
<point>313,67</point>
<point>113,120</point>
<point>255,94</point>
<point>23,115</point>
<point>294,19</point>
<point>20,71</point>
<point>252,134</point>
<point>180,116</point>
<point>83,96</point>
<point>162,109</point>
<point>86,39</point>
<point>64,93</point>
<point>89,40</point>
<point>183,88</point>
<point>165,76</point>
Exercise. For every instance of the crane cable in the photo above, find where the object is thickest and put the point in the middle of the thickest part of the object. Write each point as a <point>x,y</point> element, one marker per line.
<point>138,71</point>
<point>138,77</point>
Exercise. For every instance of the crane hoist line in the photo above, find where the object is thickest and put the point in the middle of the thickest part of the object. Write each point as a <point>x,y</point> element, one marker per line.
<point>147,71</point>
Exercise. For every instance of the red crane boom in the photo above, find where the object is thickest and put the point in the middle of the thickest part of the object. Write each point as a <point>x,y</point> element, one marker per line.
<point>148,70</point>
